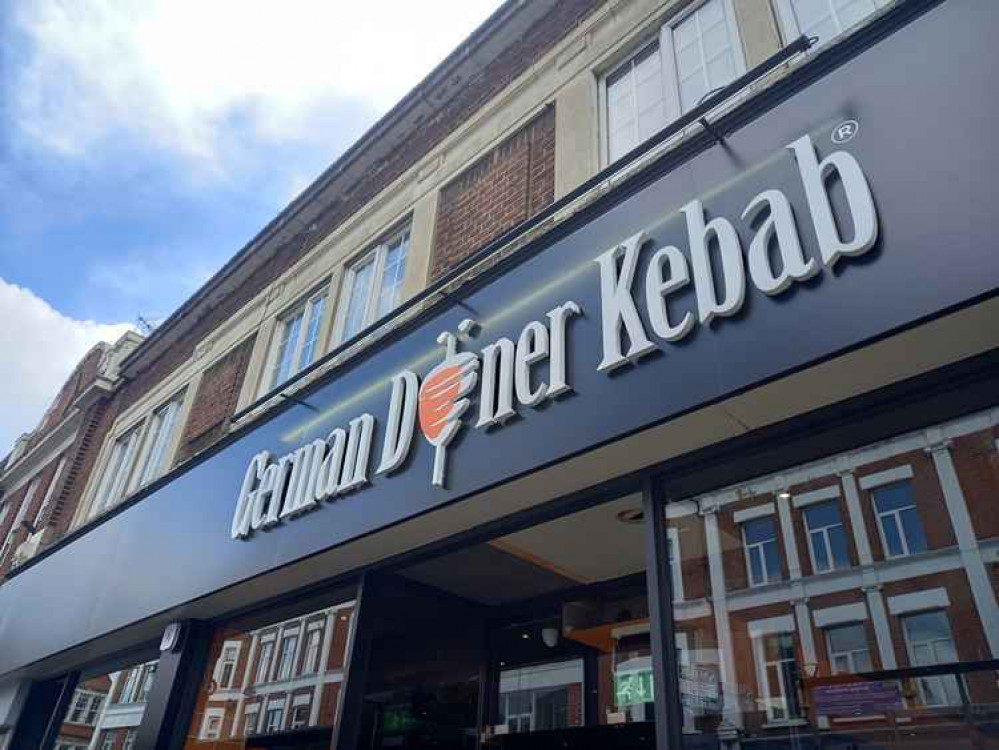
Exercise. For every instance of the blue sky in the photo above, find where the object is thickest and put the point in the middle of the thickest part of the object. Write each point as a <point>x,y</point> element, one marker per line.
<point>143,142</point>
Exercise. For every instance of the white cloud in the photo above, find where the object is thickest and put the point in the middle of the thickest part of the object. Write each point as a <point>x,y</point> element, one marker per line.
<point>43,347</point>
<point>186,73</point>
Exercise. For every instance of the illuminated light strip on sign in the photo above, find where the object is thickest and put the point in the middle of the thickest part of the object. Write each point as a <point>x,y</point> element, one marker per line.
<point>501,372</point>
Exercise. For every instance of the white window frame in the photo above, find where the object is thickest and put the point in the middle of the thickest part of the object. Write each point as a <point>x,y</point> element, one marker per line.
<point>285,667</point>
<point>823,532</point>
<point>932,644</point>
<point>675,565</point>
<point>113,486</point>
<point>158,446</point>
<point>896,519</point>
<point>300,702</point>
<point>129,742</point>
<point>262,673</point>
<point>206,731</point>
<point>130,690</point>
<point>56,478</point>
<point>851,655</point>
<point>376,255</point>
<point>791,30</point>
<point>251,719</point>
<point>746,546</point>
<point>108,742</point>
<point>306,305</point>
<point>227,646</point>
<point>668,68</point>
<point>274,706</point>
<point>22,510</point>
<point>84,703</point>
<point>770,701</point>
<point>313,633</point>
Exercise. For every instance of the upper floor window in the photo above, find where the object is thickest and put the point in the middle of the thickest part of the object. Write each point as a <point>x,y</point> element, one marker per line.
<point>26,501</point>
<point>825,19</point>
<point>287,657</point>
<point>297,338</point>
<point>848,649</point>
<point>313,639</point>
<point>274,718</point>
<point>129,742</point>
<point>898,521</point>
<point>86,708</point>
<point>264,665</point>
<point>162,428</point>
<point>692,56</point>
<point>929,641</point>
<point>762,552</point>
<point>114,481</point>
<point>373,285</point>
<point>779,677</point>
<point>826,537</point>
<point>226,670</point>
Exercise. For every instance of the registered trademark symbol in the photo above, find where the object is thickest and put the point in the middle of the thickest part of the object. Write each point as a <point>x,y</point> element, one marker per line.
<point>845,131</point>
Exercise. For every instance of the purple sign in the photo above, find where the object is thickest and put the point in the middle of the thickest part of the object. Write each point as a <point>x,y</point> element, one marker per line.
<point>857,698</point>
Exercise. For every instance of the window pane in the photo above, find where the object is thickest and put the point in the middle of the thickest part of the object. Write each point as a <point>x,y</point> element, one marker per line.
<point>161,432</point>
<point>359,293</point>
<point>893,540</point>
<point>284,362</point>
<point>894,497</point>
<point>393,275</point>
<point>310,345</point>
<point>913,529</point>
<point>705,53</point>
<point>820,552</point>
<point>760,530</point>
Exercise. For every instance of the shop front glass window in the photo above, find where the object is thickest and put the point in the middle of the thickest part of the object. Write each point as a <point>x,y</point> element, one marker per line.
<point>888,653</point>
<point>254,694</point>
<point>546,639</point>
<point>106,708</point>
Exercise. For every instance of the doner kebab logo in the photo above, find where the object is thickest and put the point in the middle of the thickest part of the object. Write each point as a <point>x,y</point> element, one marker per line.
<point>442,397</point>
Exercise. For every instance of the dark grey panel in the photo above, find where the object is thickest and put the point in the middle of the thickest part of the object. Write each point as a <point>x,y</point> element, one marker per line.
<point>927,145</point>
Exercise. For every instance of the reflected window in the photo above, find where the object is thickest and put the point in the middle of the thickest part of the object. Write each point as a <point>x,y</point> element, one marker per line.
<point>252,686</point>
<point>779,677</point>
<point>898,520</point>
<point>826,537</point>
<point>849,652</point>
<point>313,640</point>
<point>541,697</point>
<point>762,552</point>
<point>264,665</point>
<point>227,665</point>
<point>101,714</point>
<point>929,641</point>
<point>274,718</point>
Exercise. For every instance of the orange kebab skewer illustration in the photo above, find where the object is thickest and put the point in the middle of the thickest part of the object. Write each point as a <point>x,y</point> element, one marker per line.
<point>442,396</point>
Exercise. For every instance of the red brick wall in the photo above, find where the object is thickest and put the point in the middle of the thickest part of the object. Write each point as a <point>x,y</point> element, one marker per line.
<point>215,401</point>
<point>506,186</point>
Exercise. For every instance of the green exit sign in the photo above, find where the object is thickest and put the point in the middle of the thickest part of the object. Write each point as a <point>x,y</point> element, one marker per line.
<point>632,688</point>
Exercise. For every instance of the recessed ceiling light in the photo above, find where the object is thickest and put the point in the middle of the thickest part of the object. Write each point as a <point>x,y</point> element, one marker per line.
<point>783,495</point>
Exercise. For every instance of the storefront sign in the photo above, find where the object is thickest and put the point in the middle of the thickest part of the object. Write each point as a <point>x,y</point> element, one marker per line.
<point>737,264</point>
<point>525,374</point>
<point>863,698</point>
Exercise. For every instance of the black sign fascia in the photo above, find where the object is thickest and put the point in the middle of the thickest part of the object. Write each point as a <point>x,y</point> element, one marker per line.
<point>925,141</point>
